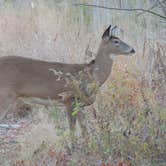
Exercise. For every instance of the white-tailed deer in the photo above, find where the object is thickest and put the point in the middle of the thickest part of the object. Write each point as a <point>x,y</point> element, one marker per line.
<point>24,77</point>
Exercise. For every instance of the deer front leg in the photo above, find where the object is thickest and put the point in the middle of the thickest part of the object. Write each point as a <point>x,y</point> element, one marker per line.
<point>82,123</point>
<point>69,103</point>
<point>84,132</point>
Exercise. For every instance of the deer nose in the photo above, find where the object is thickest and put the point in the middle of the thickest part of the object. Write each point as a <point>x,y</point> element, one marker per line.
<point>132,51</point>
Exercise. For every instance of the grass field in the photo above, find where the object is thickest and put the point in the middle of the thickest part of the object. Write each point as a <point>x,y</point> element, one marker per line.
<point>128,127</point>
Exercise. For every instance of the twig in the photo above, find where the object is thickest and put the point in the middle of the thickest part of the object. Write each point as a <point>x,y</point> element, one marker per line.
<point>150,8</point>
<point>9,126</point>
<point>122,9</point>
<point>163,5</point>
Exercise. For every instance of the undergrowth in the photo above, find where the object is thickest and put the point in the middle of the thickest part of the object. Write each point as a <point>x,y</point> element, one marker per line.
<point>130,124</point>
<point>127,127</point>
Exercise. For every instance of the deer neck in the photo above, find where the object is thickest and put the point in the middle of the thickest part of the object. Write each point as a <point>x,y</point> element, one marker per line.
<point>102,66</point>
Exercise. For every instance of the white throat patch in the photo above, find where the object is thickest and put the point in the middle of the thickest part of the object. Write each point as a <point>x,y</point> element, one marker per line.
<point>113,56</point>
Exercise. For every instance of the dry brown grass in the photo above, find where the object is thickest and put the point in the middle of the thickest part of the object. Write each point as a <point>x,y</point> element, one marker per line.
<point>42,32</point>
<point>48,34</point>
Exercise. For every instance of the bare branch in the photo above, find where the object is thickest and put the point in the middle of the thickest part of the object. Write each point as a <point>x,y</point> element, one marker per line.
<point>122,9</point>
<point>150,8</point>
<point>163,6</point>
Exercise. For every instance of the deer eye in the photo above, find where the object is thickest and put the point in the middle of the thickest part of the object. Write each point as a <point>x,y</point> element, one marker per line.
<point>116,42</point>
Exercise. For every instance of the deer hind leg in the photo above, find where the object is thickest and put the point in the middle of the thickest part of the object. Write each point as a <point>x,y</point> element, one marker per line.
<point>23,109</point>
<point>69,103</point>
<point>7,100</point>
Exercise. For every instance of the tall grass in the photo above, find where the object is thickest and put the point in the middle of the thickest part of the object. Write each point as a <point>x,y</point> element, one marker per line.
<point>128,124</point>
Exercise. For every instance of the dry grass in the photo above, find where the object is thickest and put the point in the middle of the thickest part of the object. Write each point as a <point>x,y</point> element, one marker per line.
<point>42,32</point>
<point>129,121</point>
<point>129,126</point>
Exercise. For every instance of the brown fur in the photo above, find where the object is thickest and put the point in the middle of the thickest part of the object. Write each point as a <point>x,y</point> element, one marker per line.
<point>25,77</point>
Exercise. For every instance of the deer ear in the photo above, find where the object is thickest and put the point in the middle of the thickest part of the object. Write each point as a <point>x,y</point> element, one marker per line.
<point>106,34</point>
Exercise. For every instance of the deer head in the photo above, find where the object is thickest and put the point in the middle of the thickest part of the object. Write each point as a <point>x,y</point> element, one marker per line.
<point>113,44</point>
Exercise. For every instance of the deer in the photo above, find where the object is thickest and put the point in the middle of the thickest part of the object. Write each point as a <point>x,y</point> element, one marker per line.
<point>22,77</point>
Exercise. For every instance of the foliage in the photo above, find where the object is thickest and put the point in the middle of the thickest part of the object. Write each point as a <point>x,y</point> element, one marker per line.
<point>128,128</point>
<point>128,125</point>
